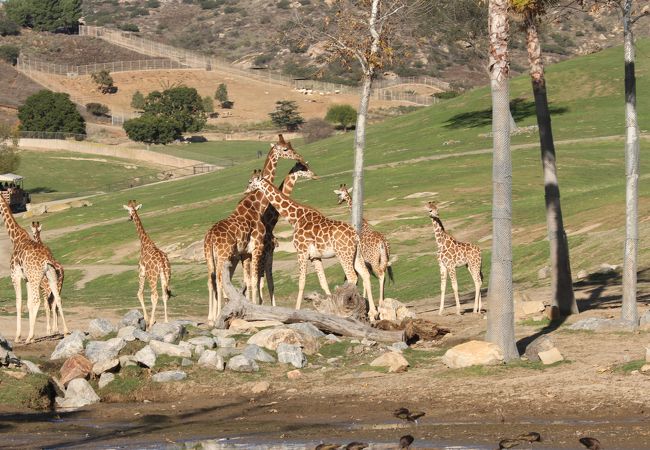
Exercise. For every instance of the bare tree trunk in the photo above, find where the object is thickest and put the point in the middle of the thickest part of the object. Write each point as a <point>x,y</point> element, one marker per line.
<point>359,148</point>
<point>500,313</point>
<point>629,309</point>
<point>563,301</point>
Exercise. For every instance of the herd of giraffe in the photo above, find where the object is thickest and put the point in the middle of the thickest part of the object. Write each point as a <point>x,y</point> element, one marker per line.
<point>245,236</point>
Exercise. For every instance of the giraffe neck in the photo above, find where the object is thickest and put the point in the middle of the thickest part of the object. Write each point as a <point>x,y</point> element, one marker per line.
<point>281,202</point>
<point>144,238</point>
<point>348,200</point>
<point>288,183</point>
<point>270,166</point>
<point>438,231</point>
<point>15,231</point>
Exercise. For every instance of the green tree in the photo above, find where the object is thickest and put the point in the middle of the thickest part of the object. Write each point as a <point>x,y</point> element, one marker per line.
<point>152,129</point>
<point>222,93</point>
<point>9,53</point>
<point>44,15</point>
<point>208,104</point>
<point>182,104</point>
<point>8,27</point>
<point>51,111</point>
<point>342,115</point>
<point>137,101</point>
<point>97,109</point>
<point>286,115</point>
<point>9,158</point>
<point>104,81</point>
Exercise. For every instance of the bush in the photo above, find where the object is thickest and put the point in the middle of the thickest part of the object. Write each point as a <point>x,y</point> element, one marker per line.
<point>97,109</point>
<point>9,53</point>
<point>50,111</point>
<point>152,4</point>
<point>208,104</point>
<point>137,101</point>
<point>284,4</point>
<point>286,115</point>
<point>342,115</point>
<point>316,129</point>
<point>8,27</point>
<point>152,129</point>
<point>129,27</point>
<point>210,4</point>
<point>51,15</point>
<point>104,81</point>
<point>446,94</point>
<point>221,93</point>
<point>262,60</point>
<point>182,104</point>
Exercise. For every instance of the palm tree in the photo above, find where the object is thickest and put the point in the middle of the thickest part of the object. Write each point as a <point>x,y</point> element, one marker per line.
<point>500,315</point>
<point>562,299</point>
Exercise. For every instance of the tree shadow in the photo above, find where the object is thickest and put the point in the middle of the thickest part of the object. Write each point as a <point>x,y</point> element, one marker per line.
<point>519,107</point>
<point>41,190</point>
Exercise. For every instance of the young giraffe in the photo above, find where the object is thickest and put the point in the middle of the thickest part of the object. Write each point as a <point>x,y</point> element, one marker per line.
<point>48,297</point>
<point>374,246</point>
<point>31,261</point>
<point>241,236</point>
<point>452,254</point>
<point>315,237</point>
<point>153,265</point>
<point>270,220</point>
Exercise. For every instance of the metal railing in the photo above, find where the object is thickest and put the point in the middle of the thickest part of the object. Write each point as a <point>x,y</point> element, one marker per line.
<point>28,64</point>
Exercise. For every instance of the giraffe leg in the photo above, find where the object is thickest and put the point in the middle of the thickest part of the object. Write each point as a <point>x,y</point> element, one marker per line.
<point>318,265</point>
<point>164,284</point>
<point>33,304</point>
<point>141,280</point>
<point>443,287</point>
<point>52,279</point>
<point>256,258</point>
<point>381,276</point>
<point>454,285</point>
<point>476,276</point>
<point>46,305</point>
<point>153,285</point>
<point>247,266</point>
<point>361,268</point>
<point>268,274</point>
<point>18,288</point>
<point>302,267</point>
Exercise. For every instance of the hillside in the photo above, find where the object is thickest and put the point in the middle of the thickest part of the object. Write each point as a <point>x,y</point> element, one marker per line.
<point>440,153</point>
<point>14,90</point>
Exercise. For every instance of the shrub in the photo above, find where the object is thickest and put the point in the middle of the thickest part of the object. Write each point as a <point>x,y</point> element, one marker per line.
<point>129,27</point>
<point>8,27</point>
<point>227,104</point>
<point>208,104</point>
<point>316,129</point>
<point>9,53</point>
<point>104,81</point>
<point>9,157</point>
<point>152,4</point>
<point>446,94</point>
<point>182,104</point>
<point>221,93</point>
<point>342,115</point>
<point>284,4</point>
<point>152,129</point>
<point>97,109</point>
<point>50,111</point>
<point>262,60</point>
<point>137,101</point>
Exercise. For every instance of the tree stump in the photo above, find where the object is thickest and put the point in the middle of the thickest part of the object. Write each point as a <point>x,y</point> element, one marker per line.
<point>345,301</point>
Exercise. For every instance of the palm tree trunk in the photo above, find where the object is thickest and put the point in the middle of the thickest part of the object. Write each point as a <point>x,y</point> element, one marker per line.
<point>629,309</point>
<point>563,302</point>
<point>500,314</point>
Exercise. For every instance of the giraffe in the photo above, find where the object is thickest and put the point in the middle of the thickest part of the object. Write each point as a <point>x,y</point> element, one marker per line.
<point>31,261</point>
<point>48,297</point>
<point>270,220</point>
<point>241,235</point>
<point>375,249</point>
<point>153,265</point>
<point>452,254</point>
<point>316,237</point>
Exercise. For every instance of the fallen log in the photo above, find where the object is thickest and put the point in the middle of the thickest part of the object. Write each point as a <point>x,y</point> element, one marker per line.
<point>239,307</point>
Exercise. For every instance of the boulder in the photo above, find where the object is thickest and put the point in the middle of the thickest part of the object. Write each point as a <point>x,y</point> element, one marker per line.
<point>141,335</point>
<point>225,342</point>
<point>291,354</point>
<point>163,348</point>
<point>106,365</point>
<point>307,328</point>
<point>30,367</point>
<point>260,387</point>
<point>146,356</point>
<point>205,341</point>
<point>393,360</point>
<point>211,360</point>
<point>198,350</point>
<point>169,375</point>
<point>532,307</point>
<point>98,328</point>
<point>186,362</point>
<point>270,338</point>
<point>102,350</point>
<point>256,353</point>
<point>393,310</point>
<point>241,325</point>
<point>294,374</point>
<point>128,360</point>
<point>133,318</point>
<point>227,352</point>
<point>186,345</point>
<point>167,332</point>
<point>69,346</point>
<point>128,333</point>
<point>541,344</point>
<point>77,366</point>
<point>598,324</point>
<point>241,363</point>
<point>399,346</point>
<point>78,394</point>
<point>550,356</point>
<point>106,378</point>
<point>644,321</point>
<point>473,353</point>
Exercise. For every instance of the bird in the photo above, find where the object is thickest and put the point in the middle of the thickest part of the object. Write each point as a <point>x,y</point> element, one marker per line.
<point>509,443</point>
<point>405,414</point>
<point>356,446</point>
<point>406,441</point>
<point>591,443</point>
<point>531,437</point>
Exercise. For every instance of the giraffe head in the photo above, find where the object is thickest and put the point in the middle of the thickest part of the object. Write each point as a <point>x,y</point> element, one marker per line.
<point>343,193</point>
<point>132,206</point>
<point>255,183</point>
<point>36,230</point>
<point>284,150</point>
<point>301,170</point>
<point>433,210</point>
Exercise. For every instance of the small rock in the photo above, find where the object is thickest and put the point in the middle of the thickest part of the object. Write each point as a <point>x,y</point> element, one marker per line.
<point>540,344</point>
<point>146,356</point>
<point>106,378</point>
<point>647,354</point>
<point>77,366</point>
<point>69,346</point>
<point>128,333</point>
<point>582,274</point>
<point>332,338</point>
<point>186,362</point>
<point>106,365</point>
<point>98,328</point>
<point>241,325</point>
<point>473,353</point>
<point>30,366</point>
<point>532,307</point>
<point>78,394</point>
<point>205,341</point>
<point>356,350</point>
<point>307,328</point>
<point>240,363</point>
<point>225,333</point>
<point>198,350</point>
<point>294,374</point>
<point>186,345</point>
<point>211,360</point>
<point>393,360</point>
<point>256,353</point>
<point>644,321</point>
<point>167,332</point>
<point>163,348</point>
<point>607,268</point>
<point>225,342</point>
<point>102,350</point>
<point>393,310</point>
<point>133,318</point>
<point>227,352</point>
<point>399,346</point>
<point>645,368</point>
<point>169,375</point>
<point>551,356</point>
<point>291,354</point>
<point>543,273</point>
<point>260,387</point>
<point>128,360</point>
<point>368,342</point>
<point>141,335</point>
<point>333,360</point>
<point>355,341</point>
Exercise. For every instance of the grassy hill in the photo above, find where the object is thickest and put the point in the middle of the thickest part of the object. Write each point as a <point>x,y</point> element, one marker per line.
<point>408,163</point>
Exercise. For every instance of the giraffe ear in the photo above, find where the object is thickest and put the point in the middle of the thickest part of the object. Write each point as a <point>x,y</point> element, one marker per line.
<point>281,139</point>
<point>350,190</point>
<point>125,207</point>
<point>138,207</point>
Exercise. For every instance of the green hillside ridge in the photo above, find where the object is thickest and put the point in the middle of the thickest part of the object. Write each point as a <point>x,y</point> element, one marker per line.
<point>587,95</point>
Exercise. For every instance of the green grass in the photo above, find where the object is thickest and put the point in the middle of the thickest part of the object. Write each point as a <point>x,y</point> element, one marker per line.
<point>32,391</point>
<point>630,366</point>
<point>587,95</point>
<point>482,371</point>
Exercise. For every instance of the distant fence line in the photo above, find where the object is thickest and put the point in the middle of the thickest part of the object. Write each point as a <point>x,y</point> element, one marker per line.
<point>28,64</point>
<point>195,169</point>
<point>51,135</point>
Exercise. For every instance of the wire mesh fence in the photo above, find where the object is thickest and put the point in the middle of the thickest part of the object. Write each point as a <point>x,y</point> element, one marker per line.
<point>29,64</point>
<point>59,135</point>
<point>156,177</point>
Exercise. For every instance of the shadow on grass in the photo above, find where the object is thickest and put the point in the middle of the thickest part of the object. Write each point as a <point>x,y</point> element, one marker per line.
<point>41,190</point>
<point>519,108</point>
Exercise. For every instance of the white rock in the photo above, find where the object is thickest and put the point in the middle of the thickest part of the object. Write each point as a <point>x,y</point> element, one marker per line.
<point>169,375</point>
<point>102,350</point>
<point>30,366</point>
<point>260,387</point>
<point>127,333</point>
<point>127,360</point>
<point>146,356</point>
<point>240,363</point>
<point>532,307</point>
<point>393,360</point>
<point>98,328</point>
<point>647,354</point>
<point>291,354</point>
<point>550,356</point>
<point>225,342</point>
<point>134,318</point>
<point>270,338</point>
<point>141,335</point>
<point>205,341</point>
<point>210,359</point>
<point>105,366</point>
<point>393,310</point>
<point>399,346</point>
<point>79,393</point>
<point>167,332</point>
<point>198,350</point>
<point>307,328</point>
<point>163,348</point>
<point>256,353</point>
<point>106,378</point>
<point>473,353</point>
<point>70,345</point>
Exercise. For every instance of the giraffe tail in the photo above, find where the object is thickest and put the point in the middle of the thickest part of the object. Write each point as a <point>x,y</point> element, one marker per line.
<point>169,292</point>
